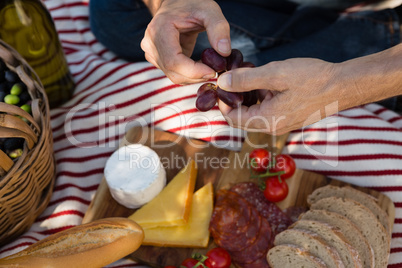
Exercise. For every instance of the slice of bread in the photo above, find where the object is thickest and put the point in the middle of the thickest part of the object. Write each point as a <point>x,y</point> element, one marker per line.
<point>291,256</point>
<point>366,221</point>
<point>334,238</point>
<point>312,243</point>
<point>348,192</point>
<point>348,228</point>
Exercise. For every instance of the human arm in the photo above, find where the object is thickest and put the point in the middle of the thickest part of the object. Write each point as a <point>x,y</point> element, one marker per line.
<point>171,35</point>
<point>301,91</point>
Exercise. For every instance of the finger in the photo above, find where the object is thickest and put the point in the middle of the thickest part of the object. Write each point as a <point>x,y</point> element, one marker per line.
<point>151,60</point>
<point>187,42</point>
<point>218,31</point>
<point>172,59</point>
<point>247,79</point>
<point>182,80</point>
<point>265,95</point>
<point>249,118</point>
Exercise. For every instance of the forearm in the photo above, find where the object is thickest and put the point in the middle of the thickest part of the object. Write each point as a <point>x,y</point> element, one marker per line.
<point>369,79</point>
<point>153,5</point>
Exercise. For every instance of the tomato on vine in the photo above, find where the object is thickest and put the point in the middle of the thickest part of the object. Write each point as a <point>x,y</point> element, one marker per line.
<point>260,160</point>
<point>284,163</point>
<point>191,263</point>
<point>218,258</point>
<point>276,189</point>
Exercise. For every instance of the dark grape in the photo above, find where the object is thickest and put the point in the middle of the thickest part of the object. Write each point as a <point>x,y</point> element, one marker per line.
<point>4,88</point>
<point>11,76</point>
<point>250,98</point>
<point>3,68</point>
<point>11,144</point>
<point>233,99</point>
<point>24,97</point>
<point>206,97</point>
<point>2,95</point>
<point>234,60</point>
<point>205,87</point>
<point>211,58</point>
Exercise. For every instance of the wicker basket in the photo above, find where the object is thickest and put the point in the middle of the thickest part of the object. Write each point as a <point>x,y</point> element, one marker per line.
<point>26,183</point>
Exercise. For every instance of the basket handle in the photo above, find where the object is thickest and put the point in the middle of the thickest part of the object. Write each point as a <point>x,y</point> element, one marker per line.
<point>36,111</point>
<point>15,110</point>
<point>11,121</point>
<point>8,132</point>
<point>5,162</point>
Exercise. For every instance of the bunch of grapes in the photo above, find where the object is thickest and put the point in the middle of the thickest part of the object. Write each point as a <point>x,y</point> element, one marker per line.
<point>13,91</point>
<point>209,93</point>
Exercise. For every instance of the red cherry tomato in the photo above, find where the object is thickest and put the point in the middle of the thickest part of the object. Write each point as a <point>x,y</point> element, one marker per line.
<point>191,263</point>
<point>259,160</point>
<point>218,258</point>
<point>284,162</point>
<point>275,190</point>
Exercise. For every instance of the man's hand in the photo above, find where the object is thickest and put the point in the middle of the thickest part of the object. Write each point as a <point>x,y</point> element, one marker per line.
<point>292,91</point>
<point>171,35</point>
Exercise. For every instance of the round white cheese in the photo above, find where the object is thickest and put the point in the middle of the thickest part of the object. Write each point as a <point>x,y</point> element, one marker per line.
<point>134,175</point>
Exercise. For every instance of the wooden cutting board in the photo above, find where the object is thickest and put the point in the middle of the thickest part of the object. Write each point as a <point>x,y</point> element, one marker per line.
<point>217,165</point>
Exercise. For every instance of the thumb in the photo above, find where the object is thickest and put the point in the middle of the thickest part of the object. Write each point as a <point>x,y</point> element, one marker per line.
<point>247,79</point>
<point>218,31</point>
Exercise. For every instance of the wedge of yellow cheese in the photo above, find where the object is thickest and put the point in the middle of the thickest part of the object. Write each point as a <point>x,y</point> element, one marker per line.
<point>195,233</point>
<point>171,207</point>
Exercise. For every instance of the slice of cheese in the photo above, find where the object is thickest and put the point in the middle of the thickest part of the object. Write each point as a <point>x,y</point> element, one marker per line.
<point>195,233</point>
<point>171,207</point>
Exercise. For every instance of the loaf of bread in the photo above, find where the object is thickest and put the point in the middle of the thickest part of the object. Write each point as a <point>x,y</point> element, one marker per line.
<point>351,193</point>
<point>93,244</point>
<point>342,220</point>
<point>334,238</point>
<point>368,223</point>
<point>348,228</point>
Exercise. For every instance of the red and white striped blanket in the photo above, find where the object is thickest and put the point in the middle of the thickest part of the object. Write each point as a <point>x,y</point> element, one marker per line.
<point>362,145</point>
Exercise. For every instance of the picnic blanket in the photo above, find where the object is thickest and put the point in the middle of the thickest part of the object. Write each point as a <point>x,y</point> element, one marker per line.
<point>362,146</point>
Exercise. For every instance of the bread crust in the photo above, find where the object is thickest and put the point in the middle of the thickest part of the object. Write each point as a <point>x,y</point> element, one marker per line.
<point>349,192</point>
<point>94,244</point>
<point>367,222</point>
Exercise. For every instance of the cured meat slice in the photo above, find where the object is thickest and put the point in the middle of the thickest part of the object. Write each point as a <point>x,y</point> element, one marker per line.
<point>235,224</point>
<point>258,249</point>
<point>278,220</point>
<point>240,241</point>
<point>231,215</point>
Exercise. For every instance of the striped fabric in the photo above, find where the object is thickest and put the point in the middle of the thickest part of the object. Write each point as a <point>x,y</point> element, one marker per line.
<point>361,145</point>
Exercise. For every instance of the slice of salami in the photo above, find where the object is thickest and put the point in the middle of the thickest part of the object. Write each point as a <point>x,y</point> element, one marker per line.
<point>258,249</point>
<point>240,240</point>
<point>231,215</point>
<point>278,220</point>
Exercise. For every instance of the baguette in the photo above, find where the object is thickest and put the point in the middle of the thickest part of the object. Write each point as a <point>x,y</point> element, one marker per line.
<point>93,244</point>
